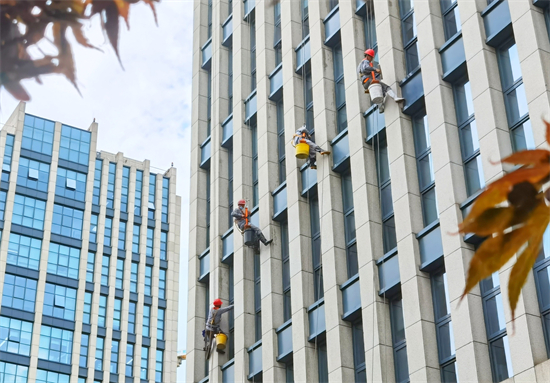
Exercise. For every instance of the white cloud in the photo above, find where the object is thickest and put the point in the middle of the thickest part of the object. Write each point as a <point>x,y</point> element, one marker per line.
<point>143,111</point>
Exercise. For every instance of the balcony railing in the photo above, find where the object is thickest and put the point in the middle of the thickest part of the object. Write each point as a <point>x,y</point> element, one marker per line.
<point>498,22</point>
<point>251,107</point>
<point>388,272</point>
<point>279,203</point>
<point>207,54</point>
<point>206,153</point>
<point>276,83</point>
<point>332,27</point>
<point>309,180</point>
<point>340,151</point>
<point>227,132</point>
<point>413,92</point>
<point>227,246</point>
<point>255,361</point>
<point>303,54</point>
<point>204,268</point>
<point>453,58</point>
<point>284,342</point>
<point>227,28</point>
<point>317,325</point>
<point>351,297</point>
<point>431,247</point>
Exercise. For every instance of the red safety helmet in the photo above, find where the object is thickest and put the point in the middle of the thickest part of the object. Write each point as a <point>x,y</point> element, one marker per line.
<point>241,202</point>
<point>218,302</point>
<point>370,52</point>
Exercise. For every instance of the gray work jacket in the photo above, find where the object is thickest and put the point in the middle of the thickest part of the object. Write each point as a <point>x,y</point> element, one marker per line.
<point>215,317</point>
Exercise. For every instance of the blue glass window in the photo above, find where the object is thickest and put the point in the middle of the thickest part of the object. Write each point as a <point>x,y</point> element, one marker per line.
<point>38,135</point>
<point>29,212</point>
<point>339,88</point>
<point>108,231</point>
<point>87,308</point>
<point>97,181</point>
<point>3,197</point>
<point>115,344</point>
<point>148,280</point>
<point>84,345</point>
<point>318,288</point>
<point>15,336</point>
<point>541,271</point>
<point>90,267</point>
<point>152,193</point>
<point>349,224</point>
<point>400,360</point>
<point>162,284</point>
<point>24,251</point>
<point>160,324</point>
<point>93,228</point>
<point>71,184</point>
<point>59,302</point>
<point>19,293</point>
<point>56,345</point>
<point>124,191</point>
<point>111,185</point>
<point>8,153</point>
<point>117,314</point>
<point>165,195</point>
<point>408,28</point>
<point>67,221</point>
<point>63,260</point>
<point>158,366</point>
<point>129,366</point>
<point>139,190</point>
<point>146,320</point>
<point>43,376</point>
<point>150,240</point>
<point>163,245</point>
<point>100,345</point>
<point>105,260</point>
<point>122,235</point>
<point>255,178</point>
<point>144,360</point>
<point>119,273</point>
<point>359,364</point>
<point>135,239</point>
<point>33,174</point>
<point>451,18</point>
<point>75,145</point>
<point>13,373</point>
<point>133,277</point>
<point>102,313</point>
<point>132,317</point>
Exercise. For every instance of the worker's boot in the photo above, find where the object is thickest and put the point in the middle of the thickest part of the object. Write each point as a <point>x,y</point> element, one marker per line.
<point>392,94</point>
<point>264,240</point>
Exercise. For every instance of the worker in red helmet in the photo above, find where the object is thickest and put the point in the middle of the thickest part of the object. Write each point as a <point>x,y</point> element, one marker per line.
<point>241,216</point>
<point>369,73</point>
<point>214,319</point>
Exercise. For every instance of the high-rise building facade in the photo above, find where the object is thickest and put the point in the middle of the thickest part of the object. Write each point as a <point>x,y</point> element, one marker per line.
<point>89,259</point>
<point>363,280</point>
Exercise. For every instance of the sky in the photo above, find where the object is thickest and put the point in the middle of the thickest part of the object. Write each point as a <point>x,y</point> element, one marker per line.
<point>143,110</point>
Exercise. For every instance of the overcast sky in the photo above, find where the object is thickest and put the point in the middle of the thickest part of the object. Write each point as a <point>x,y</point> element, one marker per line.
<point>143,111</point>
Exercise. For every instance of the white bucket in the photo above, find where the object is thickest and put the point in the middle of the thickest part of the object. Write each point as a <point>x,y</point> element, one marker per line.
<point>376,93</point>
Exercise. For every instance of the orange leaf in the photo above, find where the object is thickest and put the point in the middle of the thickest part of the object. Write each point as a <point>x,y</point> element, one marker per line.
<point>79,36</point>
<point>528,157</point>
<point>486,200</point>
<point>547,132</point>
<point>532,175</point>
<point>123,10</point>
<point>492,220</point>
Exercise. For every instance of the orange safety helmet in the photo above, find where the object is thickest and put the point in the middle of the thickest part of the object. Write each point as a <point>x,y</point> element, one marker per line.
<point>218,302</point>
<point>370,52</point>
<point>241,202</point>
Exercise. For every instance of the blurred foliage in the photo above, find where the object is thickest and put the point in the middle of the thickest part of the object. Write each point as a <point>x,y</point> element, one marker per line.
<point>25,23</point>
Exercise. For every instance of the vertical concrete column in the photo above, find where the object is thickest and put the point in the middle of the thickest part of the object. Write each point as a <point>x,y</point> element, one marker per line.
<point>301,268</point>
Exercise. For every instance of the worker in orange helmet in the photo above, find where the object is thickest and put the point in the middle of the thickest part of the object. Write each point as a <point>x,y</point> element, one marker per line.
<point>214,319</point>
<point>369,74</point>
<point>240,214</point>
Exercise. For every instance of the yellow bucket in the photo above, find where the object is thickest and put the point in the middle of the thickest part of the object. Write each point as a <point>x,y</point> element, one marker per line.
<point>221,340</point>
<point>302,150</point>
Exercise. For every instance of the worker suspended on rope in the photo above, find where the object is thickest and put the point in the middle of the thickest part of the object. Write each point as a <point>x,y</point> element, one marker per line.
<point>213,323</point>
<point>371,75</point>
<point>241,216</point>
<point>302,136</point>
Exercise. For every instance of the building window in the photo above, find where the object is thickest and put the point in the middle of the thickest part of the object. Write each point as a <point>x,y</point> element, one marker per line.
<point>165,196</point>
<point>252,30</point>
<point>100,345</point>
<point>87,311</point>
<point>146,320</point>
<point>119,274</point>
<point>150,240</point>
<point>38,135</point>
<point>322,362</point>
<point>207,209</point>
<point>230,186</point>
<point>129,365</point>
<point>134,277</point>
<point>63,260</point>
<point>148,280</point>
<point>152,193</point>
<point>93,228</point>
<point>71,184</point>
<point>19,293</point>
<point>33,174</point>
<point>469,142</point>
<point>426,180</point>
<point>132,317</point>
<point>209,18</point>
<point>349,224</point>
<point>318,289</point>
<point>542,280</point>
<point>56,345</point>
<point>102,313</point>
<point>547,19</point>
<point>281,141</point>
<point>122,235</point>
<point>444,327</point>
<point>160,324</point>
<point>139,189</point>
<point>124,189</point>
<point>370,30</point>
<point>158,366</point>
<point>163,245</point>
<point>59,302</point>
<point>97,182</point>
<point>105,263</point>
<point>24,251</point>
<point>515,99</point>
<point>495,323</point>
<point>29,212</point>
<point>114,356</point>
<point>67,221</point>
<point>108,231</point>
<point>277,40</point>
<point>90,267</point>
<point>255,178</point>
<point>111,186</point>
<point>230,80</point>
<point>451,18</point>
<point>117,314</point>
<point>84,345</point>
<point>308,85</point>
<point>43,376</point>
<point>135,239</point>
<point>8,153</point>
<point>15,336</point>
<point>75,145</point>
<point>399,342</point>
<point>285,256</point>
<point>144,361</point>
<point>231,315</point>
<point>3,197</point>
<point>359,352</point>
<point>257,297</point>
<point>13,372</point>
<point>339,88</point>
<point>408,28</point>
<point>162,284</point>
<point>305,18</point>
